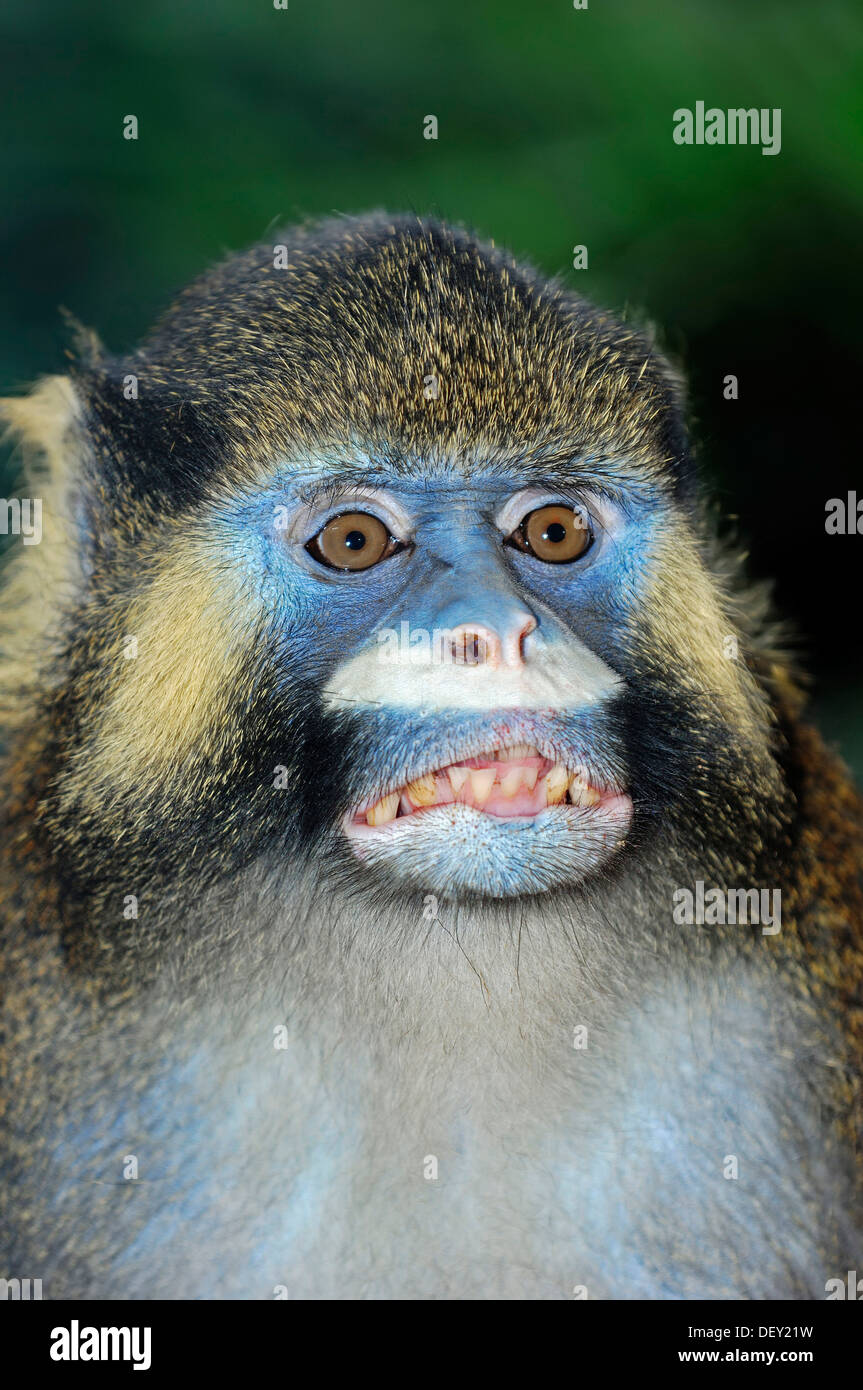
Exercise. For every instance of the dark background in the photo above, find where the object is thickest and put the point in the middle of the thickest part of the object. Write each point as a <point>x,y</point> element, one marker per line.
<point>555,129</point>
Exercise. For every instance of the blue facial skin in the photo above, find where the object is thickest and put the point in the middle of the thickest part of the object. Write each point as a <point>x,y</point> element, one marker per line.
<point>455,569</point>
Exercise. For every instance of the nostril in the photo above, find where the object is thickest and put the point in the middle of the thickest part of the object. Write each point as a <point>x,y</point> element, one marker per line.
<point>471,644</point>
<point>513,648</point>
<point>529,625</point>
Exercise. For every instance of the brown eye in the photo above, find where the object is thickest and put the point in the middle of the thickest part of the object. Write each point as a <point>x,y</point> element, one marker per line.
<point>353,541</point>
<point>555,534</point>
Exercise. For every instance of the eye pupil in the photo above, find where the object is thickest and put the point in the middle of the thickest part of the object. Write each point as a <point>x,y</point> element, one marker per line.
<point>355,540</point>
<point>555,532</point>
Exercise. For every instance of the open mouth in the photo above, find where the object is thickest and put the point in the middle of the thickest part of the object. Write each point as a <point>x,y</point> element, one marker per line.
<point>504,783</point>
<point>510,821</point>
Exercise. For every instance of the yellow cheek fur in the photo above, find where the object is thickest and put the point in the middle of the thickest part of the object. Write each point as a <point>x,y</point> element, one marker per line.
<point>188,637</point>
<point>681,624</point>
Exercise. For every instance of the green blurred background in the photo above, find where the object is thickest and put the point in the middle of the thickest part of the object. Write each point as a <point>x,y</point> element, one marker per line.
<point>554,129</point>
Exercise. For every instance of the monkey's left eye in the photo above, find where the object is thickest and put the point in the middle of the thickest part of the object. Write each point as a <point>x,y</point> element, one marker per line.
<point>553,533</point>
<point>353,541</point>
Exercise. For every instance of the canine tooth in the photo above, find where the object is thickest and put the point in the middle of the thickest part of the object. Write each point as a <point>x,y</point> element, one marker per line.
<point>482,781</point>
<point>457,776</point>
<point>556,782</point>
<point>581,793</point>
<point>422,790</point>
<point>384,810</point>
<point>511,781</point>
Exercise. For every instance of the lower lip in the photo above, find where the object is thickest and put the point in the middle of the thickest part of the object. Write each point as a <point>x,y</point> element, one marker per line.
<point>613,810</point>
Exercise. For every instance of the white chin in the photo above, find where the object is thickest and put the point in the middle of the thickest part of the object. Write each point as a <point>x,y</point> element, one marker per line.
<point>456,849</point>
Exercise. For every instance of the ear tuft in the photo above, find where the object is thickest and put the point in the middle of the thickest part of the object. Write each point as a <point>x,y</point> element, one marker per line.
<point>86,346</point>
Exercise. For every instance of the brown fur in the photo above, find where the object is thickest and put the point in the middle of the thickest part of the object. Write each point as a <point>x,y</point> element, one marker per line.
<point>254,365</point>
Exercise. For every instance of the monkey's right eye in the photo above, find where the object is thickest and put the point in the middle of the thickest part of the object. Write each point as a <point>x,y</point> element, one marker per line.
<point>353,541</point>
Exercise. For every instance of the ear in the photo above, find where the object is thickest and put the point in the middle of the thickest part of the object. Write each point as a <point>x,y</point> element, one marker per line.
<point>44,578</point>
<point>153,441</point>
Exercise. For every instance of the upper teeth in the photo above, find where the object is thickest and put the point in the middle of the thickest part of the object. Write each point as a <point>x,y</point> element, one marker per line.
<point>518,750</point>
<point>581,793</point>
<point>422,791</point>
<point>481,782</point>
<point>510,782</point>
<point>475,785</point>
<point>458,776</point>
<point>558,781</point>
<point>383,810</point>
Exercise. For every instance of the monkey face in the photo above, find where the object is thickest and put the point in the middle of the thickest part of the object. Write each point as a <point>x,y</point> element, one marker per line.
<point>466,638</point>
<point>514,691</point>
<point>459,612</point>
<point>458,616</point>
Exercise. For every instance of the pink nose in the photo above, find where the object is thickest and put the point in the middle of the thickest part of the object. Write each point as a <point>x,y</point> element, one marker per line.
<point>475,644</point>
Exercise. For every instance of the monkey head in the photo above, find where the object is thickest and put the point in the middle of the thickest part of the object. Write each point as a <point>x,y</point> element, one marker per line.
<point>387,555</point>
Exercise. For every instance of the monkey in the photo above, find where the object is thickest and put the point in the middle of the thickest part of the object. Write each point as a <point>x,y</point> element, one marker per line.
<point>420,879</point>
